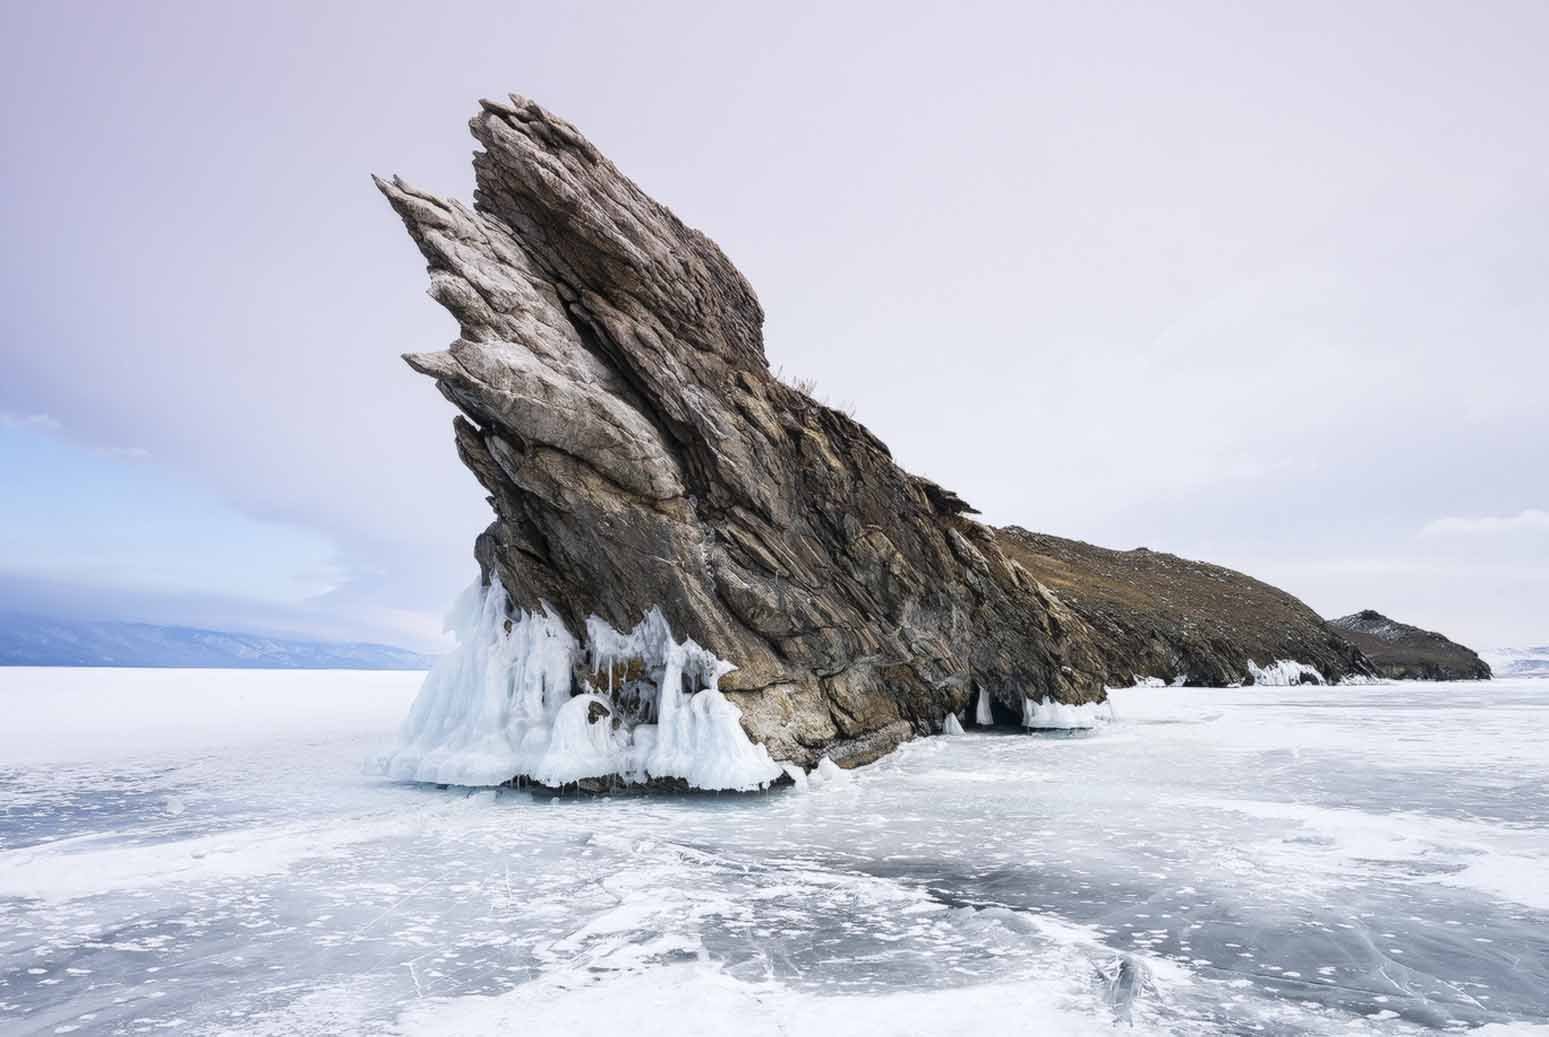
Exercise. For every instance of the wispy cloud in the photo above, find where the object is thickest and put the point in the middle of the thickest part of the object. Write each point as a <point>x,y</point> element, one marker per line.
<point>43,422</point>
<point>124,453</point>
<point>51,424</point>
<point>1527,519</point>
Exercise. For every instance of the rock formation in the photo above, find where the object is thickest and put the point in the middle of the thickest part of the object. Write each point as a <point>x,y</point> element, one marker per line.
<point>1155,615</point>
<point>1403,652</point>
<point>618,409</point>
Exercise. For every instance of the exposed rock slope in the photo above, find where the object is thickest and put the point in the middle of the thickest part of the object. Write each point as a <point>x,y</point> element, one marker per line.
<point>1403,652</point>
<point>1161,616</point>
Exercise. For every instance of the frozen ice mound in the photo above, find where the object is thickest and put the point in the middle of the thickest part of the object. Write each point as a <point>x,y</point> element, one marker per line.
<point>1285,673</point>
<point>507,703</point>
<point>1045,714</point>
<point>1057,716</point>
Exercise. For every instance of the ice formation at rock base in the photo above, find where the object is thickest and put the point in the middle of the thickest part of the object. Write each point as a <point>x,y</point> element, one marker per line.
<point>1038,714</point>
<point>1051,715</point>
<point>1284,673</point>
<point>511,702</point>
<point>521,699</point>
<point>983,715</point>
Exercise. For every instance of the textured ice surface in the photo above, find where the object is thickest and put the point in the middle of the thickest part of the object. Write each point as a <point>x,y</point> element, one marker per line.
<point>1299,860</point>
<point>500,706</point>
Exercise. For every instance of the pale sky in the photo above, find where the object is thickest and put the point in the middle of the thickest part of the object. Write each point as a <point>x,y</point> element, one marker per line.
<point>1262,284</point>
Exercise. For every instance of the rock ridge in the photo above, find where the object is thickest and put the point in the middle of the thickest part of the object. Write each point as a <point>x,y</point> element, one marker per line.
<point>1403,652</point>
<point>1158,616</point>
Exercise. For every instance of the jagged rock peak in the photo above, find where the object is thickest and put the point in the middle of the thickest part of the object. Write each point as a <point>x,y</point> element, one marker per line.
<point>618,409</point>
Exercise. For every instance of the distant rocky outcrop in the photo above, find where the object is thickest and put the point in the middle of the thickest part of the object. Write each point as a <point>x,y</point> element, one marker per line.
<point>1404,652</point>
<point>638,453</point>
<point>1155,615</point>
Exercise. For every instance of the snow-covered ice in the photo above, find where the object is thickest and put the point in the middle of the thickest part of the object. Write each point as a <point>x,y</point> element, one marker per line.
<point>198,851</point>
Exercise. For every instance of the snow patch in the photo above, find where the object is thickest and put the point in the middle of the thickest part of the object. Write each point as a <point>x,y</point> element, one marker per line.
<point>502,706</point>
<point>656,1001</point>
<point>1284,673</point>
<point>828,774</point>
<point>1517,878</point>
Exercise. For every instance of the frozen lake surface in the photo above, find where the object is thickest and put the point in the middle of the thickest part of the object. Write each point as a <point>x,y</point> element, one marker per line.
<point>199,851</point>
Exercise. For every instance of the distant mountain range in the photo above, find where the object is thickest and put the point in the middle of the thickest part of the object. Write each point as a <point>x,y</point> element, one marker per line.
<point>43,641</point>
<point>1519,662</point>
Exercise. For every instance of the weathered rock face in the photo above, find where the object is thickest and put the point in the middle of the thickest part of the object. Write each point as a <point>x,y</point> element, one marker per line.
<point>618,408</point>
<point>638,453</point>
<point>1404,652</point>
<point>1160,616</point>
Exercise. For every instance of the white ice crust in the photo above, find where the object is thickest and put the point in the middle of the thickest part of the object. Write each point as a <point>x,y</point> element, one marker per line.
<point>1284,673</point>
<point>951,725</point>
<point>500,707</point>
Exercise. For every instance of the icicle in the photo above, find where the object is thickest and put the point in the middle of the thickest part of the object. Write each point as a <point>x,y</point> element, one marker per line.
<point>499,707</point>
<point>984,716</point>
<point>1058,716</point>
